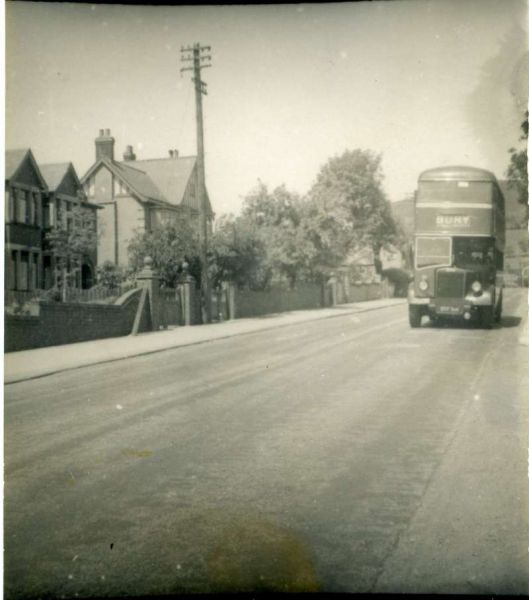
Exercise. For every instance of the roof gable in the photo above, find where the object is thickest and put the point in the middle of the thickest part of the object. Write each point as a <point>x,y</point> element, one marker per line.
<point>61,178</point>
<point>21,167</point>
<point>137,181</point>
<point>164,180</point>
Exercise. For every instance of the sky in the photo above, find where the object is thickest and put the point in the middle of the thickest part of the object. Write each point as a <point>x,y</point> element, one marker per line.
<point>425,83</point>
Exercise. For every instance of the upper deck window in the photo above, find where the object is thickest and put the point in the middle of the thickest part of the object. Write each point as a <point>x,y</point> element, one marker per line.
<point>455,191</point>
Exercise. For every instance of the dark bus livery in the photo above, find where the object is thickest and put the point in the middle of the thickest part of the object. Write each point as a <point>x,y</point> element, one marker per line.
<point>458,246</point>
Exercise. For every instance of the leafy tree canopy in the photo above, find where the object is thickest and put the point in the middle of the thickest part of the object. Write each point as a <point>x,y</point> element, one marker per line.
<point>517,169</point>
<point>348,207</point>
<point>169,246</point>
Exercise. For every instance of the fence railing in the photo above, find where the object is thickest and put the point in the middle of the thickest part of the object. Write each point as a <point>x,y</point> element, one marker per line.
<point>97,294</point>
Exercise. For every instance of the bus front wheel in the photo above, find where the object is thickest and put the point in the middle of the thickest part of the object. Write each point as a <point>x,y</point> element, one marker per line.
<point>487,316</point>
<point>497,314</point>
<point>415,315</point>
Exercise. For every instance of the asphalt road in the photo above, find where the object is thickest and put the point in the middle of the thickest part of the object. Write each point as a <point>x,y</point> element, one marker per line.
<point>350,454</point>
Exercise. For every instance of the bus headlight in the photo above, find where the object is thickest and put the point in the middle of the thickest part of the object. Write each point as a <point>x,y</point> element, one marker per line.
<point>477,287</point>
<point>423,285</point>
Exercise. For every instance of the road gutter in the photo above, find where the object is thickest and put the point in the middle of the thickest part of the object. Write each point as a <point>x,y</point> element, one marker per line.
<point>260,325</point>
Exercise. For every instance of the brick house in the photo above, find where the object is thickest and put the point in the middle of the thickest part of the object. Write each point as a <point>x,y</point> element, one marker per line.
<point>65,194</point>
<point>138,195</point>
<point>33,197</point>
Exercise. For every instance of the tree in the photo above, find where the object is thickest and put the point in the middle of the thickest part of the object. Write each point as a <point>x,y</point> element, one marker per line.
<point>71,240</point>
<point>169,246</point>
<point>260,246</point>
<point>348,210</point>
<point>275,217</point>
<point>238,254</point>
<point>517,169</point>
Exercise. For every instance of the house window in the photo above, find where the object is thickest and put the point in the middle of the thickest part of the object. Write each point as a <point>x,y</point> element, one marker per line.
<point>46,208</point>
<point>22,206</point>
<point>90,188</point>
<point>32,271</point>
<point>37,220</point>
<point>68,221</point>
<point>23,271</point>
<point>47,272</point>
<point>7,206</point>
<point>31,214</point>
<point>120,189</point>
<point>12,271</point>
<point>58,213</point>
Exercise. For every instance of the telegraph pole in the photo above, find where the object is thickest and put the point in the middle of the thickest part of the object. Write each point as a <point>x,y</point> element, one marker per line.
<point>200,57</point>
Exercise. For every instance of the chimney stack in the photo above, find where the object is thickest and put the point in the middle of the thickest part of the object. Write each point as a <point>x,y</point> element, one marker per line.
<point>129,154</point>
<point>104,145</point>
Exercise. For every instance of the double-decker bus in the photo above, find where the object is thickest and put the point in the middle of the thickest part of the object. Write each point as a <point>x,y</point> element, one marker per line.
<point>458,246</point>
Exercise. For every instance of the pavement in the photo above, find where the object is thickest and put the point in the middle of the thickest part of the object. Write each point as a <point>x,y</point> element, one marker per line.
<point>30,364</point>
<point>524,335</point>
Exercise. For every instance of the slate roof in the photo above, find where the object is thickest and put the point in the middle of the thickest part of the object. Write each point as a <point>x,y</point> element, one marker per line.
<point>171,175</point>
<point>54,174</point>
<point>138,180</point>
<point>13,160</point>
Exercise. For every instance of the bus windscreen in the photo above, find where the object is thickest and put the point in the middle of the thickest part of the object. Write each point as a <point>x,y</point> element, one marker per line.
<point>432,252</point>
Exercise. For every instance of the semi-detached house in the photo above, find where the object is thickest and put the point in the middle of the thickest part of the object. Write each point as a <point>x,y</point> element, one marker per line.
<point>37,199</point>
<point>138,195</point>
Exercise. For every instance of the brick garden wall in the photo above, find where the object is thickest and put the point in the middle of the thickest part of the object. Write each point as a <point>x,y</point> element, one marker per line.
<point>252,304</point>
<point>64,323</point>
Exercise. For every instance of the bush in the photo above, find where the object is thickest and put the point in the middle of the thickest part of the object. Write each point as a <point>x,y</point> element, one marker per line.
<point>110,276</point>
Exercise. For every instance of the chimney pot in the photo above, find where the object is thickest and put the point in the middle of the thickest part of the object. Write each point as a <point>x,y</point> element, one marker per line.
<point>104,145</point>
<point>129,154</point>
<point>171,153</point>
<point>175,153</point>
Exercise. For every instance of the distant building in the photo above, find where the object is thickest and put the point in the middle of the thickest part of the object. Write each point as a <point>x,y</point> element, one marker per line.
<point>359,267</point>
<point>37,198</point>
<point>138,195</point>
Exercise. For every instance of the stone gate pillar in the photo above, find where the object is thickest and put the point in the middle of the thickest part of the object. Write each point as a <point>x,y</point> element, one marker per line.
<point>188,295</point>
<point>333,284</point>
<point>228,289</point>
<point>150,280</point>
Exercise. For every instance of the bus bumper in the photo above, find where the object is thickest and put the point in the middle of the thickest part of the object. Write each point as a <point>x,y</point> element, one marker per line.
<point>465,307</point>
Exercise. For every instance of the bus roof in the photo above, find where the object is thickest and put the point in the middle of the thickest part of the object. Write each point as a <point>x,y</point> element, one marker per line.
<point>457,174</point>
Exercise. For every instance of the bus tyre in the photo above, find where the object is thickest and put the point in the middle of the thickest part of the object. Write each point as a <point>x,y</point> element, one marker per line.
<point>487,316</point>
<point>415,315</point>
<point>497,314</point>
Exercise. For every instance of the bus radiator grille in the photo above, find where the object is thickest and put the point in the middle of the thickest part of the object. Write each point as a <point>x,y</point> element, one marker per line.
<point>450,284</point>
